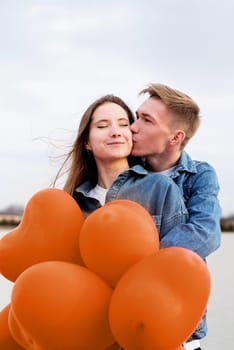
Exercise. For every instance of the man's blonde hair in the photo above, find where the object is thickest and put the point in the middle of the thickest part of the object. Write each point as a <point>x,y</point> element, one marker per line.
<point>185,109</point>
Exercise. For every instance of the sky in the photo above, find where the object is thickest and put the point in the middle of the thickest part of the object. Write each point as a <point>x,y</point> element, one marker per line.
<point>56,57</point>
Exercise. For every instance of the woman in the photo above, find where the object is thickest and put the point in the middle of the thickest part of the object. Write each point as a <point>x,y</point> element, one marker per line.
<point>102,169</point>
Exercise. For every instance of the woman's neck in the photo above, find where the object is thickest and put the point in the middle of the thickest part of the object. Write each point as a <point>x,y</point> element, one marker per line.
<point>108,172</point>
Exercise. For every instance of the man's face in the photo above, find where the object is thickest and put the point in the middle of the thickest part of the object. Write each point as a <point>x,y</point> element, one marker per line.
<point>151,131</point>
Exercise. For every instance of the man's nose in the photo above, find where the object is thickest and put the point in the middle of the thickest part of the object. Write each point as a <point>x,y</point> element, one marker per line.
<point>133,126</point>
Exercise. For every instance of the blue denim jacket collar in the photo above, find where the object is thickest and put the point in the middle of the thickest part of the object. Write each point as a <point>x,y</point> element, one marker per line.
<point>185,164</point>
<point>86,186</point>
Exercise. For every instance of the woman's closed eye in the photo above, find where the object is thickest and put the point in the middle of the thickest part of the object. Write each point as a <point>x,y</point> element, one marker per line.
<point>102,126</point>
<point>122,124</point>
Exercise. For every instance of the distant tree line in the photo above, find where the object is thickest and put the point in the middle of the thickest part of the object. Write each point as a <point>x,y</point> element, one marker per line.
<point>9,222</point>
<point>10,216</point>
<point>227,224</point>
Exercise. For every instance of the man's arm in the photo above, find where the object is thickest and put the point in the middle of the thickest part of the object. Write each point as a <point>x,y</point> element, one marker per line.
<point>202,233</point>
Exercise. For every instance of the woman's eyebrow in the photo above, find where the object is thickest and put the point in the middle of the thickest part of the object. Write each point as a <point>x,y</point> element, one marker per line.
<point>124,118</point>
<point>100,121</point>
<point>106,120</point>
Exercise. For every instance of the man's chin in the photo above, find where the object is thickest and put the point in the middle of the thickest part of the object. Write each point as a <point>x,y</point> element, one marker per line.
<point>136,153</point>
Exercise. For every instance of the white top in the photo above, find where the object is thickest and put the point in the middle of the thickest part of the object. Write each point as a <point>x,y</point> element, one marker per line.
<point>99,193</point>
<point>167,172</point>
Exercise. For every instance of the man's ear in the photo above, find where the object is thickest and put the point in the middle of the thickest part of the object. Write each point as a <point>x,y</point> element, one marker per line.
<point>178,137</point>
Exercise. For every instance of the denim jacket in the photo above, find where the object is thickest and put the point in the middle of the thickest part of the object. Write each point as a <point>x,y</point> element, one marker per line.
<point>199,187</point>
<point>155,192</point>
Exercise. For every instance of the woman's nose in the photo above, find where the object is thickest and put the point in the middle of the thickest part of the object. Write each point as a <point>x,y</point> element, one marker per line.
<point>115,131</point>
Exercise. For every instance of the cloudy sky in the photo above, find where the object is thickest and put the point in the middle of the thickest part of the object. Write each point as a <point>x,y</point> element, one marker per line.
<point>58,56</point>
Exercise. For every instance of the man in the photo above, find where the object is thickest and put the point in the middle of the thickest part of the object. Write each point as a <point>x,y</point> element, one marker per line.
<point>166,121</point>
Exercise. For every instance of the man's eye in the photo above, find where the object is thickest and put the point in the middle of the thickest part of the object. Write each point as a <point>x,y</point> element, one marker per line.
<point>148,120</point>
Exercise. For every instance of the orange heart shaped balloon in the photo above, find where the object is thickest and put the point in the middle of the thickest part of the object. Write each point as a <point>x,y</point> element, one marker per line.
<point>49,230</point>
<point>60,305</point>
<point>158,302</point>
<point>116,236</point>
<point>6,340</point>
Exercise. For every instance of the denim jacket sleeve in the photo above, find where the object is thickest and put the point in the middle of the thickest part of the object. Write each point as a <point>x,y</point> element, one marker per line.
<point>202,233</point>
<point>157,193</point>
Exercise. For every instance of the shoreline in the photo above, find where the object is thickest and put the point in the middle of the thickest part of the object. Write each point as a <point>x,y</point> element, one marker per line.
<point>6,220</point>
<point>13,224</point>
<point>10,223</point>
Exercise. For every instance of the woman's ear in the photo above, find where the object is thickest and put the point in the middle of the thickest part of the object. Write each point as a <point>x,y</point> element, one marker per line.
<point>87,146</point>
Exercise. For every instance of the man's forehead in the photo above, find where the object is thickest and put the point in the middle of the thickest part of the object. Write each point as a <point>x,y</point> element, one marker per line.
<point>152,105</point>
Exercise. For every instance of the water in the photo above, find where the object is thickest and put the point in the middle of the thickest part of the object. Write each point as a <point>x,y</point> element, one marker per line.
<point>221,302</point>
<point>5,285</point>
